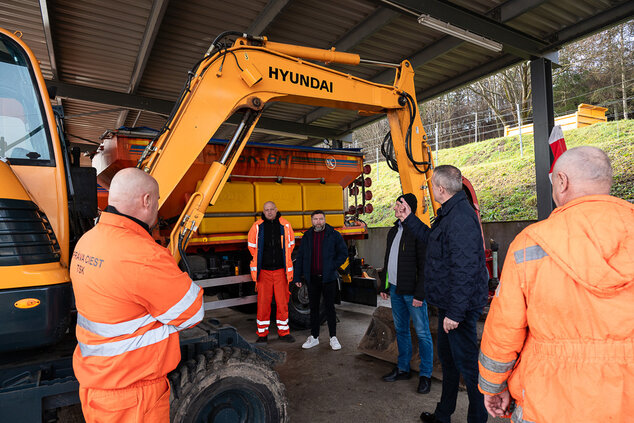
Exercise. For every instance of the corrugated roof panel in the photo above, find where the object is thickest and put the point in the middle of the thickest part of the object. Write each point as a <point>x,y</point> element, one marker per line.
<point>319,25</point>
<point>88,120</point>
<point>24,16</point>
<point>187,30</point>
<point>97,42</point>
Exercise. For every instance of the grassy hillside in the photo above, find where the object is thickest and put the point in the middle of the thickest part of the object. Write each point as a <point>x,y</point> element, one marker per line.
<point>504,180</point>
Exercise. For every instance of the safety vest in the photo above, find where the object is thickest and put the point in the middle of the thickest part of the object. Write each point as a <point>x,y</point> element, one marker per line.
<point>560,331</point>
<point>132,299</point>
<point>256,237</point>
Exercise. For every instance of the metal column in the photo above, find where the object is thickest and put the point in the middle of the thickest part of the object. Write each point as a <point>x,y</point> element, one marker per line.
<point>543,122</point>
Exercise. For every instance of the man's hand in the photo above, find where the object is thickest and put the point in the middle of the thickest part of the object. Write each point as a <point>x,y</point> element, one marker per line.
<point>449,324</point>
<point>405,211</point>
<point>417,303</point>
<point>298,284</point>
<point>497,405</point>
<point>384,295</point>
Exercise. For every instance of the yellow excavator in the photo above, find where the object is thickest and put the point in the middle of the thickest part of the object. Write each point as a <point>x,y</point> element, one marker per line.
<point>47,201</point>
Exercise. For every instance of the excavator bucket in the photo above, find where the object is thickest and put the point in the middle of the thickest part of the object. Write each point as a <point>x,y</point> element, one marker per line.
<point>379,340</point>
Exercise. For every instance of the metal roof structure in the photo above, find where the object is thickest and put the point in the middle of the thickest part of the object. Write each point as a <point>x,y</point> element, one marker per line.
<point>123,62</point>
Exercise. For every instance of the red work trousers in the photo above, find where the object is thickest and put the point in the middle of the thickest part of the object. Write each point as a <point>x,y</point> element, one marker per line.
<point>272,282</point>
<point>143,402</point>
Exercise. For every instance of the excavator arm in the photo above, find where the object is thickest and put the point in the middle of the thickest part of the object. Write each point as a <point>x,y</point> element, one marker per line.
<point>252,73</point>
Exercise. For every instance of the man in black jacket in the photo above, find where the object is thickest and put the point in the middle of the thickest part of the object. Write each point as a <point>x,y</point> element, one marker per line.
<point>403,282</point>
<point>321,252</point>
<point>456,281</point>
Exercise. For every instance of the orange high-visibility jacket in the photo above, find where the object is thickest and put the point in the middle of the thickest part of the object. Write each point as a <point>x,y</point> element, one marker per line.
<point>132,299</point>
<point>255,239</point>
<point>565,305</point>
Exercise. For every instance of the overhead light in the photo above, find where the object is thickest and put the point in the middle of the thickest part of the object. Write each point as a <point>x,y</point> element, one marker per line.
<point>463,34</point>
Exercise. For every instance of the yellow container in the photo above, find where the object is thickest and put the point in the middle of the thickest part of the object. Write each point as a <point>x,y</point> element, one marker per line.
<point>286,196</point>
<point>236,197</point>
<point>326,197</point>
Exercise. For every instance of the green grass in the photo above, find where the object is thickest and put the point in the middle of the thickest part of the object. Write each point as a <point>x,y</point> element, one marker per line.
<point>504,179</point>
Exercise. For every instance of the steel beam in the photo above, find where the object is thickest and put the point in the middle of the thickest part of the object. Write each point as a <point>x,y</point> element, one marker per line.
<point>268,14</point>
<point>506,11</point>
<point>48,35</point>
<point>157,12</point>
<point>543,122</point>
<point>113,98</point>
<point>515,42</point>
<point>596,23</point>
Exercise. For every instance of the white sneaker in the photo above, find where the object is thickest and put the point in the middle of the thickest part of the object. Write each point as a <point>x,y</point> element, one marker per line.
<point>334,343</point>
<point>311,342</point>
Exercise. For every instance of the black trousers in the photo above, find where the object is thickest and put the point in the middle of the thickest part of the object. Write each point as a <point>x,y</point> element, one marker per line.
<point>317,288</point>
<point>458,354</point>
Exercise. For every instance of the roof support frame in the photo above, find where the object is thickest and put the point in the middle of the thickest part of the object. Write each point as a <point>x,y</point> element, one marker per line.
<point>48,35</point>
<point>515,42</point>
<point>157,12</point>
<point>543,123</point>
<point>272,9</point>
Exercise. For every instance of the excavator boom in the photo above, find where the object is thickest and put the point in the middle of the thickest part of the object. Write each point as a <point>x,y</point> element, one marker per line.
<point>256,72</point>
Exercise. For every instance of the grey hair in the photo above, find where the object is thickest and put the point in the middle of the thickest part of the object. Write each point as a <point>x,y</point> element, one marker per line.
<point>449,177</point>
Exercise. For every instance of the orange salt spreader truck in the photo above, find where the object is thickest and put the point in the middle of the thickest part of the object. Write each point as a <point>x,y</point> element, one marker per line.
<point>47,201</point>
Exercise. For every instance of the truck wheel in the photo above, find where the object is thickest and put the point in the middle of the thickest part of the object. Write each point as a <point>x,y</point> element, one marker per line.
<point>299,308</point>
<point>226,385</point>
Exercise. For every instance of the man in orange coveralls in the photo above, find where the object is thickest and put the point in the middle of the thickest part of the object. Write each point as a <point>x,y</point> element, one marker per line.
<point>559,338</point>
<point>271,241</point>
<point>132,299</point>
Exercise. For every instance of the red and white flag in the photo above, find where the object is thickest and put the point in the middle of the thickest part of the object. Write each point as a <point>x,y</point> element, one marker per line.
<point>557,146</point>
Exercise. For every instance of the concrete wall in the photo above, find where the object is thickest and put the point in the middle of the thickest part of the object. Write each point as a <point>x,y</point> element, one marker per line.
<point>373,248</point>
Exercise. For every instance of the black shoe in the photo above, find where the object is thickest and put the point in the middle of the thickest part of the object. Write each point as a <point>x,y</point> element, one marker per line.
<point>262,340</point>
<point>424,385</point>
<point>429,417</point>
<point>396,374</point>
<point>286,338</point>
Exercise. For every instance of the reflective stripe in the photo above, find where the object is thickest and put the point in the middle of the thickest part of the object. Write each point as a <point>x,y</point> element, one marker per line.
<point>252,245</point>
<point>518,415</point>
<point>112,330</point>
<point>291,243</point>
<point>263,322</point>
<point>282,322</point>
<point>260,330</point>
<point>491,388</point>
<point>530,253</point>
<point>254,269</point>
<point>290,269</point>
<point>180,307</point>
<point>494,365</point>
<point>282,327</point>
<point>194,319</point>
<point>111,349</point>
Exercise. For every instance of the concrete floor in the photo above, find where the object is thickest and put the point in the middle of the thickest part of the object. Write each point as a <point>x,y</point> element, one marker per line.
<point>344,386</point>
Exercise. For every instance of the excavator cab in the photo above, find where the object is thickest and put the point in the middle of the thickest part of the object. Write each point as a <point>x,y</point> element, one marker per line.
<point>35,290</point>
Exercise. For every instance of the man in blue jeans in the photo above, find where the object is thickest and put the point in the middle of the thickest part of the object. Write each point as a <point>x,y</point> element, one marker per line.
<point>403,276</point>
<point>456,281</point>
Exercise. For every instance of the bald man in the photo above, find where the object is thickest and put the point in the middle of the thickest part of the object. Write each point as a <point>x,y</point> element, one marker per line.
<point>558,343</point>
<point>271,241</point>
<point>132,299</point>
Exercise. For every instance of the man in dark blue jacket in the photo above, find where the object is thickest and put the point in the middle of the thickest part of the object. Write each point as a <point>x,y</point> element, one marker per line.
<point>456,281</point>
<point>321,251</point>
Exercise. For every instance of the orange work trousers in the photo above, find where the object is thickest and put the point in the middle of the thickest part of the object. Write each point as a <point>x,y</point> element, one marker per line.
<point>144,402</point>
<point>272,282</point>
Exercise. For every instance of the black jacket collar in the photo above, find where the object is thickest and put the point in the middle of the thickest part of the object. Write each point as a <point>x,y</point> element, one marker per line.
<point>449,204</point>
<point>113,210</point>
